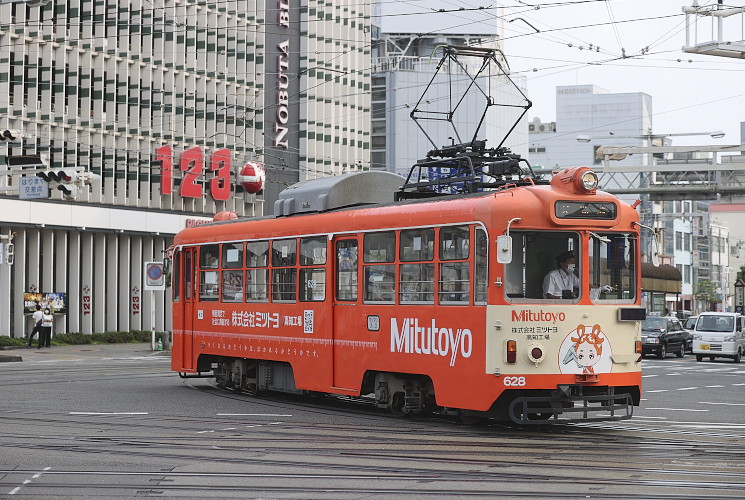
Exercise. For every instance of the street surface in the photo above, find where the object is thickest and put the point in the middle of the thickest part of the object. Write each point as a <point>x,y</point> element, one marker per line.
<point>115,422</point>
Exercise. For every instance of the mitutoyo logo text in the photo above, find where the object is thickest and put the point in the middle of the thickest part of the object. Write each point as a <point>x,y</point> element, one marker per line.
<point>413,338</point>
<point>528,315</point>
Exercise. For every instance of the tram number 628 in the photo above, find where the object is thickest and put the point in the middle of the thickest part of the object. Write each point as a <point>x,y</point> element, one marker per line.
<point>514,381</point>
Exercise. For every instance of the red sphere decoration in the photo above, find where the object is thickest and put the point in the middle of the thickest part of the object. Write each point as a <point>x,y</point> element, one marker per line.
<point>252,177</point>
<point>224,215</point>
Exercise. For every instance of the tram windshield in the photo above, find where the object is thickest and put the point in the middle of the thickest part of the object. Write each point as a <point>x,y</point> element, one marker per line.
<point>548,266</point>
<point>613,267</point>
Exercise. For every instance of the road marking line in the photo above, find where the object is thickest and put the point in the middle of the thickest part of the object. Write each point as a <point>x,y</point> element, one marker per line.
<point>714,386</point>
<point>27,481</point>
<point>687,388</point>
<point>648,376</point>
<point>106,413</point>
<point>726,404</point>
<point>674,409</point>
<point>738,384</point>
<point>251,415</point>
<point>657,390</point>
<point>708,426</point>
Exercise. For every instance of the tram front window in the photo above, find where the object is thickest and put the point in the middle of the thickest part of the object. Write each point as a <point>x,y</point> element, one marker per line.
<point>545,266</point>
<point>613,267</point>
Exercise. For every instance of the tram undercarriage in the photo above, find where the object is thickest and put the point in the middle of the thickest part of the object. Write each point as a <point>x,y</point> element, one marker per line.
<point>409,395</point>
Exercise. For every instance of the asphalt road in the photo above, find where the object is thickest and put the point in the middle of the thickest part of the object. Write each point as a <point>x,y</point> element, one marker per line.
<point>115,422</point>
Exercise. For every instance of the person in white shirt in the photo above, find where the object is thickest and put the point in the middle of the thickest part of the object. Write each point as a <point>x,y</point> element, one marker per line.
<point>562,282</point>
<point>47,320</point>
<point>36,320</point>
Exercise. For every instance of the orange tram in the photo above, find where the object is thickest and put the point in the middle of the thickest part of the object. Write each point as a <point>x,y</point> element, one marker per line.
<point>428,304</point>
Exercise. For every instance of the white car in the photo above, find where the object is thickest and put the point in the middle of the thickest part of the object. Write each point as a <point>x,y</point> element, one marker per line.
<point>719,335</point>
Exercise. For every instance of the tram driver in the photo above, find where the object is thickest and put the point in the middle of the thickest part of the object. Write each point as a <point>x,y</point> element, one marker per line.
<point>562,283</point>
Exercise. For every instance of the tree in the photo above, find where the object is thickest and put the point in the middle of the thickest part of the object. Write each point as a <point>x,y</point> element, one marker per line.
<point>707,291</point>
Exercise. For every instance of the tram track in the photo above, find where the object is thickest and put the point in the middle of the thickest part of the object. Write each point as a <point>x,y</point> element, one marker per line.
<point>345,448</point>
<point>65,483</point>
<point>543,466</point>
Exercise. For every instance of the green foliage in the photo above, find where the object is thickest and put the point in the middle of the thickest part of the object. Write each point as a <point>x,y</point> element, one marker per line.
<point>707,290</point>
<point>76,338</point>
<point>7,341</point>
<point>72,338</point>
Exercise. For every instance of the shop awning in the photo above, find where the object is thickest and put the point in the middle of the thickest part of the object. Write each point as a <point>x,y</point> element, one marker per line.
<point>664,278</point>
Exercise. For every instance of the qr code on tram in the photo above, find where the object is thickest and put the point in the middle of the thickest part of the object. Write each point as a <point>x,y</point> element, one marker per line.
<point>308,322</point>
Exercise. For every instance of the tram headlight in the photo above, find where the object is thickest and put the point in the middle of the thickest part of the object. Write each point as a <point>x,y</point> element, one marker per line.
<point>589,181</point>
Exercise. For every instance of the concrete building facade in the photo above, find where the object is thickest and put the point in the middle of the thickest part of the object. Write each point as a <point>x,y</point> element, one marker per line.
<point>161,107</point>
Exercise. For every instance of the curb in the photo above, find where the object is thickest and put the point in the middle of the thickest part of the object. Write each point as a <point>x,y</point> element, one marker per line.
<point>10,358</point>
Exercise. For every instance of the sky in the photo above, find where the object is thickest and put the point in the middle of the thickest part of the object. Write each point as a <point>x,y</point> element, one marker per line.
<point>549,42</point>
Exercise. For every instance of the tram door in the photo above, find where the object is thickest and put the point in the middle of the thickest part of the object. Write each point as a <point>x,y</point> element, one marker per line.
<point>189,300</point>
<point>346,300</point>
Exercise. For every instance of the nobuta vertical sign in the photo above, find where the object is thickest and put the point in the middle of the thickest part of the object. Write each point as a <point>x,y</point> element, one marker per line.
<point>282,110</point>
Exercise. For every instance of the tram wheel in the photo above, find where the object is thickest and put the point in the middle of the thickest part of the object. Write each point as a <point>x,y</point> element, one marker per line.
<point>398,403</point>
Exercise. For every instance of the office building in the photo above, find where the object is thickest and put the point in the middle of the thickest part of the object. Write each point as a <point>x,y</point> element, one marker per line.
<point>158,109</point>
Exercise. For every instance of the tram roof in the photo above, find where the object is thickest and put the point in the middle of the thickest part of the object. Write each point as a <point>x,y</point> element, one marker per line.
<point>330,193</point>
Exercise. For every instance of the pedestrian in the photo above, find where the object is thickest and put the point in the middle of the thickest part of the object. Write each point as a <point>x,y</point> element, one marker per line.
<point>46,324</point>
<point>37,328</point>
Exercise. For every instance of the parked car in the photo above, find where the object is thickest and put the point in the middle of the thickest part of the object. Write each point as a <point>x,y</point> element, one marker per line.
<point>719,335</point>
<point>663,334</point>
<point>689,325</point>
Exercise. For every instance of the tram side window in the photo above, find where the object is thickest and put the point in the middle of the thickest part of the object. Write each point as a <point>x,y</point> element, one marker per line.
<point>209,281</point>
<point>257,274</point>
<point>232,285</point>
<point>417,280</point>
<point>232,255</point>
<point>346,269</point>
<point>417,244</point>
<point>176,276</point>
<point>284,272</point>
<point>313,279</point>
<point>208,256</point>
<point>455,274</point>
<point>613,267</point>
<point>535,264</point>
<point>380,278</point>
<point>188,274</point>
<point>482,269</point>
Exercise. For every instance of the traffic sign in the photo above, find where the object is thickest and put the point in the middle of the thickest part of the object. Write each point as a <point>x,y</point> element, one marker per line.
<point>155,277</point>
<point>33,188</point>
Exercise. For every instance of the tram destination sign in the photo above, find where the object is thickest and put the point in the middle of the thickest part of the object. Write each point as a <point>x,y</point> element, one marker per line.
<point>585,210</point>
